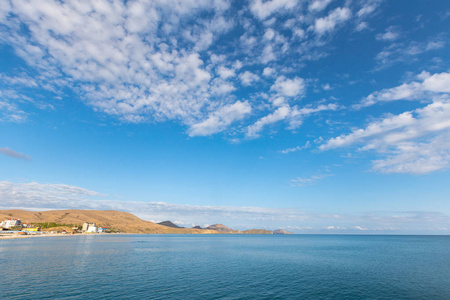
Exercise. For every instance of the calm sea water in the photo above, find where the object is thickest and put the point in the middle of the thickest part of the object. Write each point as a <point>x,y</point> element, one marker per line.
<point>226,267</point>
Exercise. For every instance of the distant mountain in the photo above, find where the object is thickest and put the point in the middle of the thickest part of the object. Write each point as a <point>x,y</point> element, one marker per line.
<point>257,231</point>
<point>220,228</point>
<point>224,229</point>
<point>281,231</point>
<point>169,224</point>
<point>197,227</point>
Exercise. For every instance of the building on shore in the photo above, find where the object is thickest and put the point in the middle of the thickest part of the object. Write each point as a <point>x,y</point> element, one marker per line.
<point>101,229</point>
<point>11,223</point>
<point>89,227</point>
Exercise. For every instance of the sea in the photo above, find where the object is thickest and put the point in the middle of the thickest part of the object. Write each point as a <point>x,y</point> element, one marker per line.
<point>226,267</point>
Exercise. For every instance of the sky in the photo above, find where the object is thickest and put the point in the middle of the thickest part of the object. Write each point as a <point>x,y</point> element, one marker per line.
<point>314,116</point>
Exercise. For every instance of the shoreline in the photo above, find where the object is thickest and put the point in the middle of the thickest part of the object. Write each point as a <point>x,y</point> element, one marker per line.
<point>17,236</point>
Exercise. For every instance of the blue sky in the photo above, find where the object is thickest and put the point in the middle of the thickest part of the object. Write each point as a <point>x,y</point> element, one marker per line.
<point>318,116</point>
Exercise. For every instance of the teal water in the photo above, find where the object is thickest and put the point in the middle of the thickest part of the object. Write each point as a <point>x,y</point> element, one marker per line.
<point>226,267</point>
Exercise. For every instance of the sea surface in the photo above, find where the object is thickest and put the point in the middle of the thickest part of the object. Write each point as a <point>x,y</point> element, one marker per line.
<point>226,267</point>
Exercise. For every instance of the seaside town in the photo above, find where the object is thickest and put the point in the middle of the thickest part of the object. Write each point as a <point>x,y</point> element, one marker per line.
<point>13,226</point>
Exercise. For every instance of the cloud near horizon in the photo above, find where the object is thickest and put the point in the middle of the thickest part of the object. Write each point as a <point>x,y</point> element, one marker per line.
<point>37,196</point>
<point>11,153</point>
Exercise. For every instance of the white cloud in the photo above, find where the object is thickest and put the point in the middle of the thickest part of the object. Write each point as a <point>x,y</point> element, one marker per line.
<point>289,87</point>
<point>11,153</point>
<point>400,52</point>
<point>10,112</point>
<point>362,26</point>
<point>391,34</point>
<point>414,142</point>
<point>161,60</point>
<point>226,73</point>
<point>268,71</point>
<point>280,114</point>
<point>293,115</point>
<point>327,87</point>
<point>247,78</point>
<point>220,119</point>
<point>309,180</point>
<point>295,149</point>
<point>428,85</point>
<point>298,114</point>
<point>123,58</point>
<point>328,23</point>
<point>263,9</point>
<point>368,8</point>
<point>318,5</point>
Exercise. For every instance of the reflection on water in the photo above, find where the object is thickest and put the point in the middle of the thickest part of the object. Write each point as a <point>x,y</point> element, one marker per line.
<point>226,266</point>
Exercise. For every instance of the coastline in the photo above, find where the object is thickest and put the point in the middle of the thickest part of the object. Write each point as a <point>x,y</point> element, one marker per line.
<point>17,236</point>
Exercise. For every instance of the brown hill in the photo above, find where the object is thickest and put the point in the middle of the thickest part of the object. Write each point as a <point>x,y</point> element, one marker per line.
<point>121,221</point>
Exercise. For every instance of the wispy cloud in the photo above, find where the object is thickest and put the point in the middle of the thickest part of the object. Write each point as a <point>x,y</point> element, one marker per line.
<point>415,141</point>
<point>427,86</point>
<point>403,52</point>
<point>391,34</point>
<point>314,179</point>
<point>295,149</point>
<point>11,153</point>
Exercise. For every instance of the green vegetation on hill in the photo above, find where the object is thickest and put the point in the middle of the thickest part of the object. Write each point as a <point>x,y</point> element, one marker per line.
<point>47,225</point>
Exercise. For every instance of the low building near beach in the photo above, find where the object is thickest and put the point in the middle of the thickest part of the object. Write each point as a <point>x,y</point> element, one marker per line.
<point>89,228</point>
<point>11,223</point>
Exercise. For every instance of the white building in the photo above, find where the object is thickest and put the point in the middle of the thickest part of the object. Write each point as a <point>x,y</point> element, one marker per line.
<point>89,227</point>
<point>92,228</point>
<point>10,223</point>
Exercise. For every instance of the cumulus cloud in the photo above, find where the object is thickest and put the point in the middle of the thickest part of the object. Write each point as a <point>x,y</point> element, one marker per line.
<point>263,9</point>
<point>328,23</point>
<point>155,61</point>
<point>11,153</point>
<point>318,5</point>
<point>289,87</point>
<point>221,119</point>
<point>247,78</point>
<point>122,58</point>
<point>389,35</point>
<point>226,73</point>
